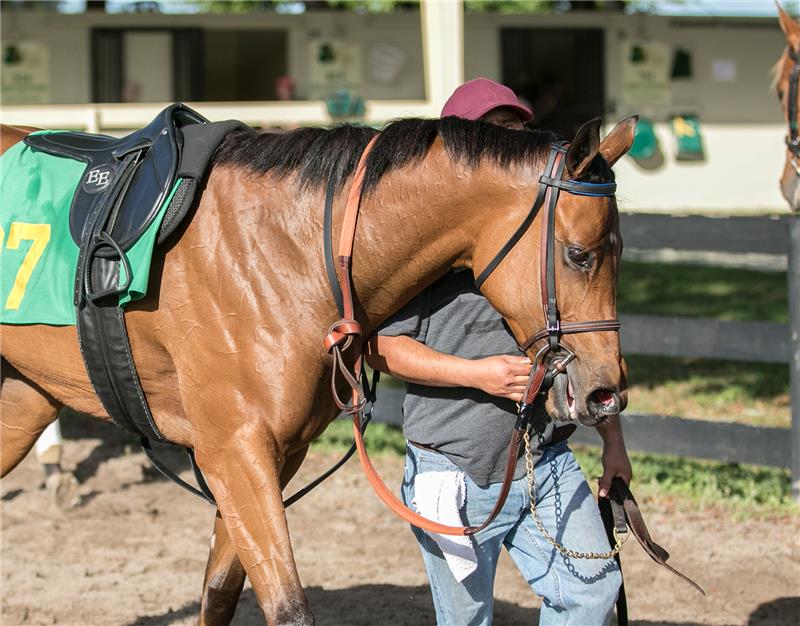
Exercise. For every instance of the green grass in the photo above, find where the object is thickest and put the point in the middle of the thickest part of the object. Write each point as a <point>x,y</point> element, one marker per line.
<point>749,393</point>
<point>745,392</point>
<point>702,291</point>
<point>739,488</point>
<point>705,483</point>
<point>380,438</point>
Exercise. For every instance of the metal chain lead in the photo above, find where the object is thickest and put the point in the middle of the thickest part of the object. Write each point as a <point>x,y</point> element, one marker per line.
<point>550,539</point>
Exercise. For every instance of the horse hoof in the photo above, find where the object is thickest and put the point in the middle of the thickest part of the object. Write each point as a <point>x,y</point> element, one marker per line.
<point>63,488</point>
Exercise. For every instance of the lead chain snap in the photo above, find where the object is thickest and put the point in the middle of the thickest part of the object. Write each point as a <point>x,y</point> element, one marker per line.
<point>548,537</point>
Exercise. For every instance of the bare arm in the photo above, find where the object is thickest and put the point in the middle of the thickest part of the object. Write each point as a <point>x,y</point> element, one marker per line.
<point>410,360</point>
<point>615,456</point>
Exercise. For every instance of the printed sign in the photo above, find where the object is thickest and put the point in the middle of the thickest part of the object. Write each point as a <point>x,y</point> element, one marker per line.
<point>645,74</point>
<point>25,73</point>
<point>335,66</point>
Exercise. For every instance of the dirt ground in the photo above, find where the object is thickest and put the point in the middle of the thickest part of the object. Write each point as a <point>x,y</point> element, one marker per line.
<point>133,553</point>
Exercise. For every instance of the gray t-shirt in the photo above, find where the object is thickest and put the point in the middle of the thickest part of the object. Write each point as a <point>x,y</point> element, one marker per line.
<point>470,427</point>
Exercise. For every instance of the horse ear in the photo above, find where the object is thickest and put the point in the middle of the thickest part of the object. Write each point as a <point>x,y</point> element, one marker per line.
<point>790,28</point>
<point>583,148</point>
<point>619,140</point>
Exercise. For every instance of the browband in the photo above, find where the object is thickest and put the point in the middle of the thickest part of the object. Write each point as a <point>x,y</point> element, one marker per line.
<point>579,188</point>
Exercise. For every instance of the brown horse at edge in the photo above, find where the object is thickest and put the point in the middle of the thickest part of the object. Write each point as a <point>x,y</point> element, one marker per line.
<point>790,178</point>
<point>228,341</point>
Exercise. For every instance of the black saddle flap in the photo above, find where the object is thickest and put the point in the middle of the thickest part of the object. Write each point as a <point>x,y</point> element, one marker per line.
<point>134,173</point>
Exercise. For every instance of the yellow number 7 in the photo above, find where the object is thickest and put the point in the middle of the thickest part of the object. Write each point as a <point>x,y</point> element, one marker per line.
<point>19,231</point>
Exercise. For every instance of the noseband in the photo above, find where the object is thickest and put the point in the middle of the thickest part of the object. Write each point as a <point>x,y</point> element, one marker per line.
<point>550,185</point>
<point>793,139</point>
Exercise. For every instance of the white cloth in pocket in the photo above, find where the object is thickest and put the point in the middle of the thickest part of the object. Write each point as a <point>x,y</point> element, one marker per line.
<point>440,496</point>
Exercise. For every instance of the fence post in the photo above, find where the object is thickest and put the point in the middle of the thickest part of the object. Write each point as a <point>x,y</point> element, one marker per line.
<point>793,276</point>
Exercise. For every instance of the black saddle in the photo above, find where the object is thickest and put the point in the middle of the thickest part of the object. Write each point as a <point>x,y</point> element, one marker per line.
<point>124,188</point>
<point>134,174</point>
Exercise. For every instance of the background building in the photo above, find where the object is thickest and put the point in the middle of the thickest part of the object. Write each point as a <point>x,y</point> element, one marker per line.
<point>112,71</point>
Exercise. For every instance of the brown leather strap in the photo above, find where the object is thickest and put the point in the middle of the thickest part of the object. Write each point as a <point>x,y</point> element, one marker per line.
<point>621,493</point>
<point>571,328</point>
<point>543,243</point>
<point>402,511</point>
<point>346,334</point>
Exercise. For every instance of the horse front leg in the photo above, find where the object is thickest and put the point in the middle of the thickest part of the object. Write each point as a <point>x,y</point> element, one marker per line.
<point>225,575</point>
<point>243,471</point>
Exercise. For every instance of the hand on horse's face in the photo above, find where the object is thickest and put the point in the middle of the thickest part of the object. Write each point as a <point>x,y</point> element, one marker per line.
<point>503,376</point>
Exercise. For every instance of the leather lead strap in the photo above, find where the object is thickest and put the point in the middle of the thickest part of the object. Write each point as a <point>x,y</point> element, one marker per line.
<point>621,509</point>
<point>346,333</point>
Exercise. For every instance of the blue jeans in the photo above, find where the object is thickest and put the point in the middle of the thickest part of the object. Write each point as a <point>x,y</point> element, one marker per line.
<point>578,592</point>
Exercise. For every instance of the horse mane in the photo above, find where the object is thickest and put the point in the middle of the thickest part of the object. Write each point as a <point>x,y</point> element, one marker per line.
<point>318,155</point>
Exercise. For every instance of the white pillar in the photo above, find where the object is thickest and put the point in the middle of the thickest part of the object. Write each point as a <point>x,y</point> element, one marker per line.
<point>442,48</point>
<point>443,61</point>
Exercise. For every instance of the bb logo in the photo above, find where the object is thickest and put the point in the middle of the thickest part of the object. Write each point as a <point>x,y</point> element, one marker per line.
<point>97,179</point>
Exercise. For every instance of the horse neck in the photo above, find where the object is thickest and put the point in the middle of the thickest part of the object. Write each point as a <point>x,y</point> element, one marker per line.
<point>425,220</point>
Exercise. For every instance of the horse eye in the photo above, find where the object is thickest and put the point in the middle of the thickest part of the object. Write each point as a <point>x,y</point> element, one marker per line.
<point>584,259</point>
<point>780,94</point>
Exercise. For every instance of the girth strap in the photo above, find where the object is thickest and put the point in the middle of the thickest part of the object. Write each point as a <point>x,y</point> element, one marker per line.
<point>100,320</point>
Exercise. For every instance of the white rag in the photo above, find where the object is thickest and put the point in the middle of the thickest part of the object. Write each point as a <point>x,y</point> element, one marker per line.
<point>439,496</point>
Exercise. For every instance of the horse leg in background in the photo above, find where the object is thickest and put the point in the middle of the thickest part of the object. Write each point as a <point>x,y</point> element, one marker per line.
<point>25,411</point>
<point>60,483</point>
<point>243,470</point>
<point>224,579</point>
<point>225,575</point>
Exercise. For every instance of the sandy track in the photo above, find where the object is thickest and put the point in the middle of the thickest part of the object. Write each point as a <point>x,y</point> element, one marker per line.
<point>134,551</point>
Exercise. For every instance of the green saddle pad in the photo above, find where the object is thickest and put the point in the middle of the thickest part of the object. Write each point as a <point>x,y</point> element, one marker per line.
<point>38,257</point>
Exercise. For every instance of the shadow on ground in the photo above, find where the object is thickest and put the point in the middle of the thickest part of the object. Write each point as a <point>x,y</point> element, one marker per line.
<point>373,605</point>
<point>114,442</point>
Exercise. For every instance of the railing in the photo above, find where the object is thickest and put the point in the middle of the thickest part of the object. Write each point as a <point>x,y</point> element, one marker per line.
<point>117,118</point>
<point>749,342</point>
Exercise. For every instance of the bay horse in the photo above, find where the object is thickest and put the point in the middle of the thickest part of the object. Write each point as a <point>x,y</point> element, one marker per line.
<point>228,339</point>
<point>786,76</point>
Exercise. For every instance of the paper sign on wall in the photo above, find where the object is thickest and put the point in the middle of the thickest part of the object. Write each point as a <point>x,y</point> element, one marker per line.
<point>723,70</point>
<point>645,74</point>
<point>25,73</point>
<point>335,65</point>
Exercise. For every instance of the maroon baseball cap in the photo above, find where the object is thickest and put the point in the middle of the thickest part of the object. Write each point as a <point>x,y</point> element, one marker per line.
<point>477,97</point>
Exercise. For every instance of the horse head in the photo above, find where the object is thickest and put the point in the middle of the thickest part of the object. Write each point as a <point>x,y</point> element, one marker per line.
<point>787,75</point>
<point>568,312</point>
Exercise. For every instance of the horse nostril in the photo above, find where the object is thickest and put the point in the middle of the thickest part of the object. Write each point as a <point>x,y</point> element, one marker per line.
<point>603,402</point>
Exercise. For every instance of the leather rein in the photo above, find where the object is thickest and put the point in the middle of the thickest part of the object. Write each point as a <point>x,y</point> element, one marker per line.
<point>345,334</point>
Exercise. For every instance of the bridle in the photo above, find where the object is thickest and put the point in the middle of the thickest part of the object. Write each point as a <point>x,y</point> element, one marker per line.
<point>550,185</point>
<point>346,333</point>
<point>793,138</point>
